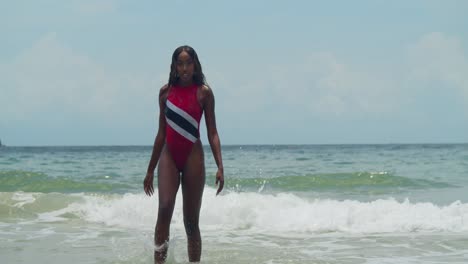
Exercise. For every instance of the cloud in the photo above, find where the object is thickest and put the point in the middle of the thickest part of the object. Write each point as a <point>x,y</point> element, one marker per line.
<point>331,87</point>
<point>51,78</point>
<point>322,85</point>
<point>319,85</point>
<point>440,57</point>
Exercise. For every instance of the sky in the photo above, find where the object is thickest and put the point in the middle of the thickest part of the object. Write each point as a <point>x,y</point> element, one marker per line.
<point>83,72</point>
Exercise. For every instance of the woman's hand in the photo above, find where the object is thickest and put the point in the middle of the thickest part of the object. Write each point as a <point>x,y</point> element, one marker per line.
<point>148,183</point>
<point>220,180</point>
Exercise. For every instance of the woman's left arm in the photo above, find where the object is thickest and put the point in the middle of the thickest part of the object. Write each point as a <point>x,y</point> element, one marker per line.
<point>213,137</point>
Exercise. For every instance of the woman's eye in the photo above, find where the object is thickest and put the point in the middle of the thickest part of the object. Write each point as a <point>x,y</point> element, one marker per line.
<point>187,63</point>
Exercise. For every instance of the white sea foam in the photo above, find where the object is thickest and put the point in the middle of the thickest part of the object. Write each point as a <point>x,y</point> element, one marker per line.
<point>42,233</point>
<point>23,198</point>
<point>54,216</point>
<point>281,214</point>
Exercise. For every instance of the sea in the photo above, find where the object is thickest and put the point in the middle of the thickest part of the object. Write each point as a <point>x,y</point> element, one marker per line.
<point>373,204</point>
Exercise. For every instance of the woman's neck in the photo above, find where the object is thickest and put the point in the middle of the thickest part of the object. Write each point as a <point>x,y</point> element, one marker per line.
<point>185,84</point>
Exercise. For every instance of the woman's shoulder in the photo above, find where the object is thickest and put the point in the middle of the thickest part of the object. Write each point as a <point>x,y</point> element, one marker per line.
<point>163,92</point>
<point>205,95</point>
<point>164,88</point>
<point>206,90</point>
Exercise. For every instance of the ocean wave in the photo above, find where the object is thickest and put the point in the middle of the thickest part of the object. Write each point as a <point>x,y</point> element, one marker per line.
<point>28,181</point>
<point>330,181</point>
<point>281,214</point>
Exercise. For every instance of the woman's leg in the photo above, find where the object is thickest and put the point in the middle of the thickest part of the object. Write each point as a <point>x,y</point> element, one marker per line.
<point>193,182</point>
<point>168,185</point>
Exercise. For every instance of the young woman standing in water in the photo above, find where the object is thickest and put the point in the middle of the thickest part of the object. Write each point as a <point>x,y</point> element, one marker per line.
<point>179,151</point>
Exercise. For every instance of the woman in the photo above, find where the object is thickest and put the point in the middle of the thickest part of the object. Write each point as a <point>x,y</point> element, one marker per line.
<point>179,151</point>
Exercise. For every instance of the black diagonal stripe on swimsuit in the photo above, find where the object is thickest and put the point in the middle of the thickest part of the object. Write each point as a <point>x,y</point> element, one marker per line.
<point>181,122</point>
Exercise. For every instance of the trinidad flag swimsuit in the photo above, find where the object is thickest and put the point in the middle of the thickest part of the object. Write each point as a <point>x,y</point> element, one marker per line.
<point>183,114</point>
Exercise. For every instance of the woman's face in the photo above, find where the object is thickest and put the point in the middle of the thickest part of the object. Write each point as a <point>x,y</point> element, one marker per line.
<point>185,68</point>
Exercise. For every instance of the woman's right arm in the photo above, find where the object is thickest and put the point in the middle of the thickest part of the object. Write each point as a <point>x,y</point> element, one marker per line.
<point>158,143</point>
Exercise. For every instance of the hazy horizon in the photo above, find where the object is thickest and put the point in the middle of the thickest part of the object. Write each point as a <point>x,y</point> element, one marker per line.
<point>250,145</point>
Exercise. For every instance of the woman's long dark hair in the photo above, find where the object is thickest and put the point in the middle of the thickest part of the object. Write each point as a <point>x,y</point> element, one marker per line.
<point>198,76</point>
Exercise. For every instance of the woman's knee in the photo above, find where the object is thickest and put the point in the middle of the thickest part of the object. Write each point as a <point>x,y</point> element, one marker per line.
<point>191,227</point>
<point>166,207</point>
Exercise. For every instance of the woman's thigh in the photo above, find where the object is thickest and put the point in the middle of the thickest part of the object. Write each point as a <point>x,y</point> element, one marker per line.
<point>193,182</point>
<point>168,178</point>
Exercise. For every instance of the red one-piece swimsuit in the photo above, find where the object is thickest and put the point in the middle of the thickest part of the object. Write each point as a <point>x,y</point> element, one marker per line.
<point>183,114</point>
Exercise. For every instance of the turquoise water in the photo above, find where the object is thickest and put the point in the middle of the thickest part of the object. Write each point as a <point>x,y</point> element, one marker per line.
<point>281,204</point>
